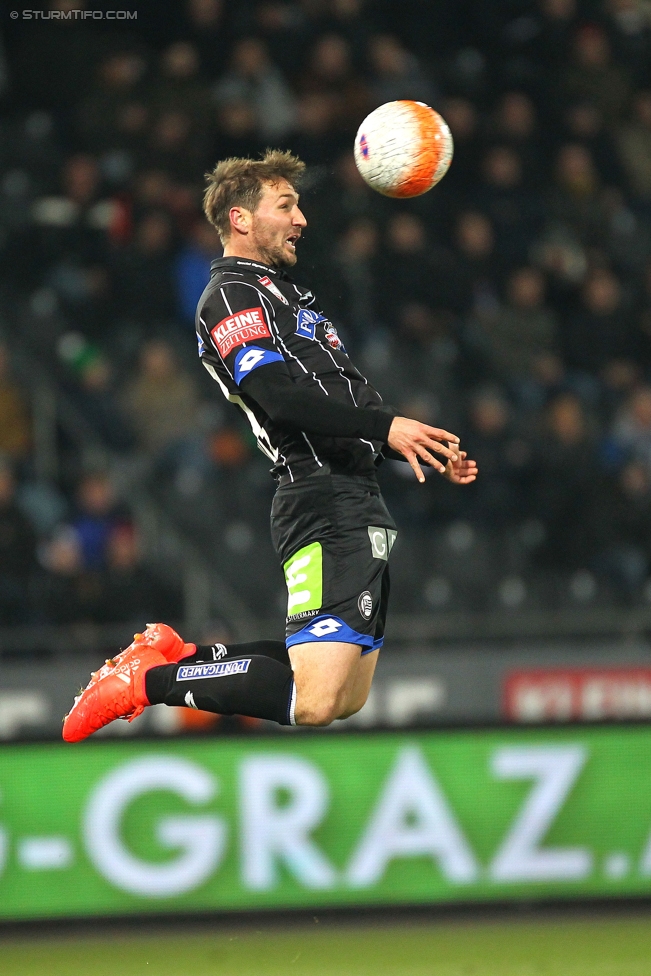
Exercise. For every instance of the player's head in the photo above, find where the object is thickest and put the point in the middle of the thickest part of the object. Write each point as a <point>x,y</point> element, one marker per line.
<point>253,203</point>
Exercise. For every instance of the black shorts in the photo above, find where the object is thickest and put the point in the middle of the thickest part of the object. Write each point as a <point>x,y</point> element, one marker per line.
<point>333,534</point>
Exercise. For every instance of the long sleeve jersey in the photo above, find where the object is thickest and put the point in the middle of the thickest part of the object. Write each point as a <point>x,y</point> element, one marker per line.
<point>276,355</point>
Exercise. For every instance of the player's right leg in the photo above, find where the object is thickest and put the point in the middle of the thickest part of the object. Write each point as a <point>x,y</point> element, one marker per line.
<point>326,678</point>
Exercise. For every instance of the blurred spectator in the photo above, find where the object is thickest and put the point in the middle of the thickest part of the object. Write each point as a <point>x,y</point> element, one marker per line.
<point>414,270</point>
<point>178,85</point>
<point>622,520</point>
<point>516,125</point>
<point>192,266</point>
<point>17,553</point>
<point>330,73</point>
<point>476,274</point>
<point>396,73</point>
<point>15,427</point>
<point>357,264</point>
<point>593,76</point>
<point>631,432</point>
<point>629,24</point>
<point>634,143</point>
<point>599,331</point>
<point>574,200</point>
<point>90,384</point>
<point>162,405</point>
<point>98,514</point>
<point>522,338</point>
<point>114,114</point>
<point>130,590</point>
<point>254,80</point>
<point>514,210</point>
<point>565,484</point>
<point>462,118</point>
<point>70,592</point>
<point>502,454</point>
<point>584,124</point>
<point>142,273</point>
<point>71,239</point>
<point>176,145</point>
<point>208,29</point>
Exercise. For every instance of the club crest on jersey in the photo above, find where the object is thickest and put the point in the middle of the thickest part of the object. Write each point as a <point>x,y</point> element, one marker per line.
<point>333,340</point>
<point>241,327</point>
<point>307,321</point>
<point>268,283</point>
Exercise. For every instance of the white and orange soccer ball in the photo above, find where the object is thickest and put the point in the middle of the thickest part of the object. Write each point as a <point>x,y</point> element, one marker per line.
<point>403,149</point>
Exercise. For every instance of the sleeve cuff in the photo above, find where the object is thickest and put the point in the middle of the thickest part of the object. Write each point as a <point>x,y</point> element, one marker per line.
<point>382,421</point>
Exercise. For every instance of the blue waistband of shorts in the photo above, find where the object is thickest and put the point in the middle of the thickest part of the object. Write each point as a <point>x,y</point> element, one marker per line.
<point>328,627</point>
<point>377,644</point>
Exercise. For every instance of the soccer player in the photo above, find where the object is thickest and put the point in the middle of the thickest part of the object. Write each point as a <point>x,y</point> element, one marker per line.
<point>276,355</point>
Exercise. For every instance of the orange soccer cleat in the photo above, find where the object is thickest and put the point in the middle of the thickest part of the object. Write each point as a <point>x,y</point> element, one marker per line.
<point>159,636</point>
<point>116,690</point>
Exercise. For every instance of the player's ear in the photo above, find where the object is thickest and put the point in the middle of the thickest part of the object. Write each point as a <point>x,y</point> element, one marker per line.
<point>240,219</point>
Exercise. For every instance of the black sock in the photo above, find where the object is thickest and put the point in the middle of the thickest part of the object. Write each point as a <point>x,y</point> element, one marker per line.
<point>255,686</point>
<point>221,652</point>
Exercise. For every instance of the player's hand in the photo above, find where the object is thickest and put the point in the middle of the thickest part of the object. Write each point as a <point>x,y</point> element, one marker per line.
<point>416,441</point>
<point>462,471</point>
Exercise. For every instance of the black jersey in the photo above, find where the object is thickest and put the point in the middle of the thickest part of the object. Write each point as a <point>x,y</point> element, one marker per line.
<point>251,315</point>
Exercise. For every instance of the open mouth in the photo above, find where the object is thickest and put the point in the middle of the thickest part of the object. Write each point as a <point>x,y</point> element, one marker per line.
<point>291,240</point>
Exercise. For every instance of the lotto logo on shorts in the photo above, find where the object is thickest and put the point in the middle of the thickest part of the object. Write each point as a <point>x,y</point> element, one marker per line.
<point>324,627</point>
<point>241,327</point>
<point>192,672</point>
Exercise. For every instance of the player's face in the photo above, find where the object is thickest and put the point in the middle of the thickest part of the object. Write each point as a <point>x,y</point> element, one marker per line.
<point>277,225</point>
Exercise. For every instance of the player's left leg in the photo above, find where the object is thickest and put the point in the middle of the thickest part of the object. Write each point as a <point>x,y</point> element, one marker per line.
<point>360,686</point>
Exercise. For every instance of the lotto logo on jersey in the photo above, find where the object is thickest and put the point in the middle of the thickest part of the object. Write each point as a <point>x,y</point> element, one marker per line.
<point>241,327</point>
<point>250,358</point>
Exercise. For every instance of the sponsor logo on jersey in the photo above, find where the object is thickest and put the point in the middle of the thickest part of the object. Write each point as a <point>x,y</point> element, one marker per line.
<point>307,321</point>
<point>192,672</point>
<point>237,329</point>
<point>302,615</point>
<point>250,358</point>
<point>332,338</point>
<point>365,604</point>
<point>218,652</point>
<point>268,283</point>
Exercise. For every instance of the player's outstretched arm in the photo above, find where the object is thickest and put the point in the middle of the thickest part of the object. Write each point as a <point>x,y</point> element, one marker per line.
<point>416,442</point>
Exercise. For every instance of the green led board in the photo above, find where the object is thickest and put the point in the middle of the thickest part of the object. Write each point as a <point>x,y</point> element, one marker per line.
<point>324,820</point>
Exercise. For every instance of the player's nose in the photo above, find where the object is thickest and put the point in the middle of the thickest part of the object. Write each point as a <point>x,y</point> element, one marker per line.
<point>298,218</point>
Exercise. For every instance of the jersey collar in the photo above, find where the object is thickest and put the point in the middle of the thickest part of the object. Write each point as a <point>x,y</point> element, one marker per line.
<point>246,265</point>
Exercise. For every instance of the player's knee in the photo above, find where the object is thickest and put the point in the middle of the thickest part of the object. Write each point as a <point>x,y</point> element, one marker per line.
<point>354,706</point>
<point>319,711</point>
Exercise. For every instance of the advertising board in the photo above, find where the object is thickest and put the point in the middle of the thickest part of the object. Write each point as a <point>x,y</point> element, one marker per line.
<point>309,820</point>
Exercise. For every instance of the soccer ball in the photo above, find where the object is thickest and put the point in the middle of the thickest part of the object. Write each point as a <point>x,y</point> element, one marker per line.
<point>403,149</point>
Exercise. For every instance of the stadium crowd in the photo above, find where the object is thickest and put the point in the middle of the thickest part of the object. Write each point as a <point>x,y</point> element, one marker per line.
<point>512,304</point>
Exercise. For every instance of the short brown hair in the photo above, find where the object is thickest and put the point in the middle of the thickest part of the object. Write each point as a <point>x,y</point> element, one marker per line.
<point>239,183</point>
